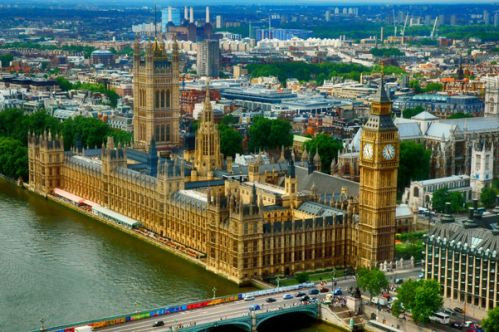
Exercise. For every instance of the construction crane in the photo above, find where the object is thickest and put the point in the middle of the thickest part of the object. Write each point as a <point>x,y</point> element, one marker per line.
<point>402,33</point>
<point>432,35</point>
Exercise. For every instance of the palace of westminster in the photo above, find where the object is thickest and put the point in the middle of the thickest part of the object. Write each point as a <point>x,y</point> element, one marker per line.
<point>247,222</point>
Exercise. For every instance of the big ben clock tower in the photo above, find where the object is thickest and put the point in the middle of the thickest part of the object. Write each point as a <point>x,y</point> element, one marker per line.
<point>379,161</point>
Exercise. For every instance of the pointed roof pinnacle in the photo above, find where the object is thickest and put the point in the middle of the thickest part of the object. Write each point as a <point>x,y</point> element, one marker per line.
<point>381,96</point>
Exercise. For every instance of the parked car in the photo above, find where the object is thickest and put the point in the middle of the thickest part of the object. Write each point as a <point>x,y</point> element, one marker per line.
<point>337,291</point>
<point>158,323</point>
<point>254,307</point>
<point>305,298</point>
<point>459,310</point>
<point>314,291</point>
<point>300,294</point>
<point>456,325</point>
<point>421,275</point>
<point>270,300</point>
<point>449,311</point>
<point>249,298</point>
<point>398,281</point>
<point>287,297</point>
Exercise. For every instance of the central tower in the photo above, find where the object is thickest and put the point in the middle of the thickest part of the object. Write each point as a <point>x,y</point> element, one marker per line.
<point>379,160</point>
<point>156,106</point>
<point>207,156</point>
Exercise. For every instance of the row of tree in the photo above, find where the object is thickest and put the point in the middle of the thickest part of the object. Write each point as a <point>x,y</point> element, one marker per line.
<point>318,72</point>
<point>15,126</point>
<point>66,85</point>
<point>85,50</point>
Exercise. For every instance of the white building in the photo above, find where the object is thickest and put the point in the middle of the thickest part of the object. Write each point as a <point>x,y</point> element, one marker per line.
<point>492,96</point>
<point>482,167</point>
<point>420,193</point>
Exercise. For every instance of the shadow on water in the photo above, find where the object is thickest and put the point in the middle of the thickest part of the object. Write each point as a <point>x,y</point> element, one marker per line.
<point>287,322</point>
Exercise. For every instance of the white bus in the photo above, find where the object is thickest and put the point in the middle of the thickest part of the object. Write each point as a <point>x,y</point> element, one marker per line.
<point>441,318</point>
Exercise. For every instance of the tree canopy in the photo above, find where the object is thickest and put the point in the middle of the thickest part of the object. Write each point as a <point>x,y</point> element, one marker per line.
<point>410,112</point>
<point>328,149</point>
<point>65,85</point>
<point>414,164</point>
<point>269,134</point>
<point>386,52</point>
<point>443,195</point>
<point>488,197</point>
<point>230,140</point>
<point>13,158</point>
<point>372,281</point>
<point>307,71</point>
<point>5,59</point>
<point>433,87</point>
<point>460,115</point>
<point>491,322</point>
<point>15,126</point>
<point>421,297</point>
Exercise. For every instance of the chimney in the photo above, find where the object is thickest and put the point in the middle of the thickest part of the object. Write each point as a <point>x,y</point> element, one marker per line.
<point>191,16</point>
<point>207,14</point>
<point>186,13</point>
<point>169,14</point>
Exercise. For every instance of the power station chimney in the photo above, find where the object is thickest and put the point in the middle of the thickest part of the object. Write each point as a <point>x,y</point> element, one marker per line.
<point>169,14</point>
<point>186,13</point>
<point>191,16</point>
<point>382,35</point>
<point>207,14</point>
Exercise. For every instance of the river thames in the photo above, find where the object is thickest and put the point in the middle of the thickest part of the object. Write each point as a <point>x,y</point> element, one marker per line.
<point>63,267</point>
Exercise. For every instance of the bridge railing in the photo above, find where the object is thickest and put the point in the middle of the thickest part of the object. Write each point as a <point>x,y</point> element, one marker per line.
<point>167,310</point>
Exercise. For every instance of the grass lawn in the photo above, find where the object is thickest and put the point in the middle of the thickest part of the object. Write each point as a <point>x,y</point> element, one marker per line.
<point>313,276</point>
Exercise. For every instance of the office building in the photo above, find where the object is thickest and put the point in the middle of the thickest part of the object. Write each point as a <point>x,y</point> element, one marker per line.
<point>208,58</point>
<point>463,256</point>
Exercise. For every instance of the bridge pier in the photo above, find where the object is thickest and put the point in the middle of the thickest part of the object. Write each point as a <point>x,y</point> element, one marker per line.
<point>253,321</point>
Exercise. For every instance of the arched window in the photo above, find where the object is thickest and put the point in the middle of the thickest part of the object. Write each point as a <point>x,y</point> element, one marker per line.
<point>167,98</point>
<point>416,192</point>
<point>163,98</point>
<point>157,99</point>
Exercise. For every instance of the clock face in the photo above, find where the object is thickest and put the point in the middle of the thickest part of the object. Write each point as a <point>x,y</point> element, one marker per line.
<point>368,151</point>
<point>389,152</point>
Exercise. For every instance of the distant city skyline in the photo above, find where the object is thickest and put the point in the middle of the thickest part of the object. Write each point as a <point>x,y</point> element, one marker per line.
<point>258,2</point>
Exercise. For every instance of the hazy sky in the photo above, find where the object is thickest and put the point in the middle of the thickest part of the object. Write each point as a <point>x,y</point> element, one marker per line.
<point>280,2</point>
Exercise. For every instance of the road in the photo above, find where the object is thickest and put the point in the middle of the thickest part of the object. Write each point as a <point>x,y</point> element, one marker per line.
<point>233,309</point>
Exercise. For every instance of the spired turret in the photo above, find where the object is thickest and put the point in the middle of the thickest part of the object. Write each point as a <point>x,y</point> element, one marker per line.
<point>112,156</point>
<point>207,157</point>
<point>46,157</point>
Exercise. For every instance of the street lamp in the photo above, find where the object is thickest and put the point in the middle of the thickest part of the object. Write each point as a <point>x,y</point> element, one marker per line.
<point>42,324</point>
<point>333,276</point>
<point>214,289</point>
<point>277,280</point>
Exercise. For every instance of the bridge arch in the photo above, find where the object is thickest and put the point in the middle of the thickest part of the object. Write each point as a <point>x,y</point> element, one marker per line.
<point>224,326</point>
<point>265,319</point>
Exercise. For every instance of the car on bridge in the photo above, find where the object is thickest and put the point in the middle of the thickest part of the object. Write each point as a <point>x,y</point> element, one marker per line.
<point>287,297</point>
<point>270,300</point>
<point>314,291</point>
<point>300,294</point>
<point>158,323</point>
<point>254,307</point>
<point>249,298</point>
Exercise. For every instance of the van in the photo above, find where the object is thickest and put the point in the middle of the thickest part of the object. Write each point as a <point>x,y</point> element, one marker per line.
<point>440,317</point>
<point>86,328</point>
